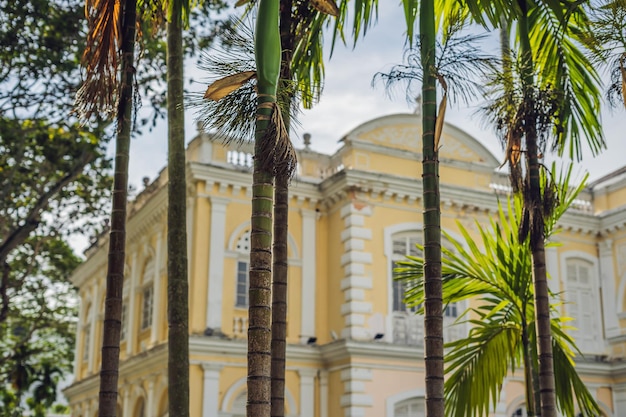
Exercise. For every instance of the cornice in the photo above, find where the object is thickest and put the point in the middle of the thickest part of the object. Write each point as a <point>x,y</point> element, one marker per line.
<point>612,220</point>
<point>215,173</point>
<point>205,345</point>
<point>153,358</point>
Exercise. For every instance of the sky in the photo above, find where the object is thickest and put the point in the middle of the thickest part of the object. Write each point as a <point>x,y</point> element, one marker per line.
<point>349,99</point>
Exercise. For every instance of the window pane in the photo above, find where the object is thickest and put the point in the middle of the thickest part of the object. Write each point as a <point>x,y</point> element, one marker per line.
<point>146,311</point>
<point>241,299</point>
<point>399,247</point>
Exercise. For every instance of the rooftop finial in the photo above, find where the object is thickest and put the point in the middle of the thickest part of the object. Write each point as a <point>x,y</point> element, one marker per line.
<point>307,141</point>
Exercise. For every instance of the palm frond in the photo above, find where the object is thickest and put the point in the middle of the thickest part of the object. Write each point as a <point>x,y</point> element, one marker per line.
<point>98,94</point>
<point>460,61</point>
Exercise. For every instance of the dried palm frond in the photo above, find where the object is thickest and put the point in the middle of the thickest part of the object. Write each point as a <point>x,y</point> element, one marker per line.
<point>224,86</point>
<point>441,114</point>
<point>98,94</point>
<point>325,6</point>
<point>278,155</point>
<point>231,119</point>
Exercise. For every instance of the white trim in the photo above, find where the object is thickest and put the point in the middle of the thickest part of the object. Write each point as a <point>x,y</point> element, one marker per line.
<point>210,389</point>
<point>217,233</point>
<point>391,402</point>
<point>598,345</point>
<point>132,308</point>
<point>92,329</point>
<point>234,236</point>
<point>307,392</point>
<point>607,283</point>
<point>156,295</point>
<point>517,402</point>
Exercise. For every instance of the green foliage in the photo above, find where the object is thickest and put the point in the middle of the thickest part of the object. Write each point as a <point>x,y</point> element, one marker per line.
<point>497,276</point>
<point>38,330</point>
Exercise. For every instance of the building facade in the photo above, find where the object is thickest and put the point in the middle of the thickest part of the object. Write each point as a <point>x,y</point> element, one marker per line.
<point>354,349</point>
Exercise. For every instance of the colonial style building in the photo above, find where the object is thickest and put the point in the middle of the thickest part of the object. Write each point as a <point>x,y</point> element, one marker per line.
<point>353,348</point>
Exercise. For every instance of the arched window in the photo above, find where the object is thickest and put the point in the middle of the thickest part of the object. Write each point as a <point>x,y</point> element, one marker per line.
<point>407,326</point>
<point>241,287</point>
<point>413,407</point>
<point>581,305</point>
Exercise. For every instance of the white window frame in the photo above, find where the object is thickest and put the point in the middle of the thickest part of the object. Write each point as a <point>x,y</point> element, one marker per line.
<point>242,248</point>
<point>124,320</point>
<point>596,343</point>
<point>246,283</point>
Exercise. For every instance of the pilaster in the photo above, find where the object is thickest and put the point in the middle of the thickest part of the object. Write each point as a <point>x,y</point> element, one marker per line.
<point>93,314</point>
<point>355,260</point>
<point>210,389</point>
<point>130,339</point>
<point>309,243</point>
<point>607,282</point>
<point>216,262</point>
<point>156,299</point>
<point>323,393</point>
<point>307,392</point>
<point>150,400</point>
<point>355,400</point>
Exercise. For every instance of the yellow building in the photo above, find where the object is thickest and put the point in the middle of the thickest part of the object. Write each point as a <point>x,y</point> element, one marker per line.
<point>353,349</point>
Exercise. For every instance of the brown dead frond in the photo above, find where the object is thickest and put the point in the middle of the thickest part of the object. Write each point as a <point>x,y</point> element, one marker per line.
<point>98,94</point>
<point>441,114</point>
<point>226,85</point>
<point>279,155</point>
<point>325,6</point>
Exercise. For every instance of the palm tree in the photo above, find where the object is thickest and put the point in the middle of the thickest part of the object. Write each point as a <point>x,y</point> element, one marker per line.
<point>608,41</point>
<point>111,39</point>
<point>553,93</point>
<point>178,287</point>
<point>503,334</point>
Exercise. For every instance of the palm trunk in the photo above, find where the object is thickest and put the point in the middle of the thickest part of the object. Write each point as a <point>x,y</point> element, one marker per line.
<point>177,287</point>
<point>279,297</point>
<point>433,316</point>
<point>267,55</point>
<point>533,205</point>
<point>528,370</point>
<point>109,373</point>
<point>281,213</point>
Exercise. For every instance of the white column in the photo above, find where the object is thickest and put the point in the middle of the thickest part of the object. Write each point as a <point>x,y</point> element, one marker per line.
<point>126,402</point>
<point>191,210</point>
<point>307,392</point>
<point>309,220</point>
<point>323,393</point>
<point>607,282</point>
<point>210,389</point>
<point>77,358</point>
<point>130,338</point>
<point>216,263</point>
<point>156,298</point>
<point>92,326</point>
<point>150,400</point>
<point>619,400</point>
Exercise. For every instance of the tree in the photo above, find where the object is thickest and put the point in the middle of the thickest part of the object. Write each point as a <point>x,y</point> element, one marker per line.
<point>608,43</point>
<point>552,97</point>
<point>38,331</point>
<point>111,39</point>
<point>178,287</point>
<point>502,338</point>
